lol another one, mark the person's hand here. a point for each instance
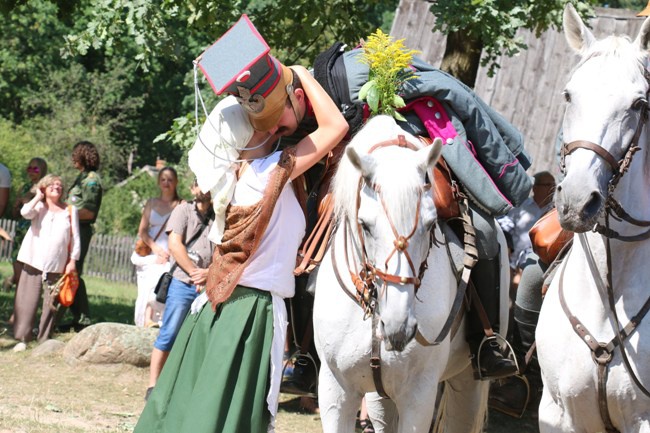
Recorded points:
(71, 266)
(39, 194)
(163, 256)
(198, 276)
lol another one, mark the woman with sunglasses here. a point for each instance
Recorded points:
(36, 169)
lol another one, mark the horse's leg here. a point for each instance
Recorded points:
(415, 405)
(338, 408)
(463, 406)
(550, 414)
(382, 412)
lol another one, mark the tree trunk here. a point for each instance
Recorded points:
(462, 57)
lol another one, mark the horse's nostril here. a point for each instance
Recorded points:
(593, 205)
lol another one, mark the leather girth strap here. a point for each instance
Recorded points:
(470, 258)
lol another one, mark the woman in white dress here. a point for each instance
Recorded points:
(149, 268)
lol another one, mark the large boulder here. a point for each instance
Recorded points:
(111, 343)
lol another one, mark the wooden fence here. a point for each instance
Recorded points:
(109, 256)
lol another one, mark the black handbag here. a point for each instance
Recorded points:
(166, 278)
(163, 286)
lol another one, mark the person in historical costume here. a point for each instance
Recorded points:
(223, 373)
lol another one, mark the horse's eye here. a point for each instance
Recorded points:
(639, 104)
(567, 95)
(363, 226)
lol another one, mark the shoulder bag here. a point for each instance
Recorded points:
(166, 278)
(63, 291)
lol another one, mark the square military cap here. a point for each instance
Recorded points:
(239, 63)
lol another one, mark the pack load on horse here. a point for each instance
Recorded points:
(590, 344)
(437, 106)
(483, 160)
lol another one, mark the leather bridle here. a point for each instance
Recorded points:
(619, 167)
(602, 352)
(370, 273)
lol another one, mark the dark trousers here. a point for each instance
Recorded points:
(80, 305)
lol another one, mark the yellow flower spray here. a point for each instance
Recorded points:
(388, 61)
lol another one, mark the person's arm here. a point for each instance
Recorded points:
(75, 251)
(4, 235)
(332, 126)
(179, 253)
(4, 199)
(29, 209)
(143, 233)
(91, 192)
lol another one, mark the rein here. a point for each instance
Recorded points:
(602, 353)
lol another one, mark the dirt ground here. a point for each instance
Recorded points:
(44, 394)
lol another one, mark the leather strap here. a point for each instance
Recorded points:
(469, 261)
(568, 148)
(375, 358)
(314, 247)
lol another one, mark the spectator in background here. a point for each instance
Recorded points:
(155, 215)
(5, 188)
(525, 216)
(191, 250)
(36, 170)
(51, 247)
(86, 195)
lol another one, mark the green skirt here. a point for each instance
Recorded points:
(217, 375)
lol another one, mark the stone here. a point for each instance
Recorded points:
(48, 347)
(111, 343)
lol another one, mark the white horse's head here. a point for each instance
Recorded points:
(381, 192)
(606, 96)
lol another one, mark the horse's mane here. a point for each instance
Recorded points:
(398, 187)
(621, 51)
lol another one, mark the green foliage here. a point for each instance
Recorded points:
(297, 30)
(122, 204)
(28, 48)
(17, 147)
(495, 22)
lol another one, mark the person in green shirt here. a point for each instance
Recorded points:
(86, 195)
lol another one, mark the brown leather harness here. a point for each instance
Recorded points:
(601, 352)
(364, 275)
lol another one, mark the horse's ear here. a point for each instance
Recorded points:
(644, 35)
(576, 33)
(430, 154)
(365, 164)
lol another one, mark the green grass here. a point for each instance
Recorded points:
(109, 301)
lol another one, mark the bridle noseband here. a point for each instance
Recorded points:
(619, 168)
(400, 243)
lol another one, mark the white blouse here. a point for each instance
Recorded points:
(50, 237)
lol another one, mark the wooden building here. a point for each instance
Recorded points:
(527, 89)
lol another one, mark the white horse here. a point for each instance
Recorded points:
(385, 215)
(605, 280)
